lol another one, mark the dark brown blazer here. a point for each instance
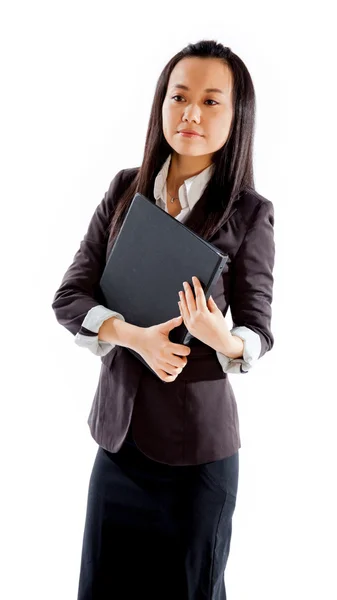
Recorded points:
(193, 419)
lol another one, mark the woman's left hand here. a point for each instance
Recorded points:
(203, 319)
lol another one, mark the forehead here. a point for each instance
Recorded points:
(199, 74)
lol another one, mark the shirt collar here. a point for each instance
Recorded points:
(189, 192)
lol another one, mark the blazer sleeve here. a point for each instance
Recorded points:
(77, 303)
(251, 292)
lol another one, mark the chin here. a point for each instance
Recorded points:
(192, 148)
(189, 151)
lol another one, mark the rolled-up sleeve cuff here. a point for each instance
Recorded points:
(87, 336)
(251, 352)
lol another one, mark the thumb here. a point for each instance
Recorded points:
(168, 325)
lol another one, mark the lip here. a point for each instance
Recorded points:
(187, 133)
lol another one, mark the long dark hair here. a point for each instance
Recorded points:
(233, 172)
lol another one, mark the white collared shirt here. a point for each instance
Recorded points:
(189, 193)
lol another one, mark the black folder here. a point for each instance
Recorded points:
(152, 255)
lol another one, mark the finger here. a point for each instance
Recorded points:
(186, 300)
(182, 313)
(165, 377)
(199, 294)
(190, 298)
(183, 307)
(211, 304)
(170, 378)
(170, 369)
(173, 361)
(180, 349)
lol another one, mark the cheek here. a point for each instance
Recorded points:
(219, 128)
(165, 127)
(169, 121)
(165, 112)
(168, 114)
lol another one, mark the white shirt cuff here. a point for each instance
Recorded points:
(251, 351)
(87, 336)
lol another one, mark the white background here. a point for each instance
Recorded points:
(77, 82)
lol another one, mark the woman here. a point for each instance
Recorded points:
(164, 483)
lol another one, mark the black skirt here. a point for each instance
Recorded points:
(156, 531)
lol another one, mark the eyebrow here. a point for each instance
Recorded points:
(208, 90)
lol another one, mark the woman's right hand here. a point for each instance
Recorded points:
(154, 345)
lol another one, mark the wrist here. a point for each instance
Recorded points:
(118, 332)
(127, 335)
(233, 347)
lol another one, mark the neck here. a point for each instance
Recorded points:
(182, 167)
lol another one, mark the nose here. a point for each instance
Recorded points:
(191, 114)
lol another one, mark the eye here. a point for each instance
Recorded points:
(209, 100)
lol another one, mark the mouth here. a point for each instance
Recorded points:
(189, 134)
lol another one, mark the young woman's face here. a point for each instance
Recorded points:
(208, 113)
